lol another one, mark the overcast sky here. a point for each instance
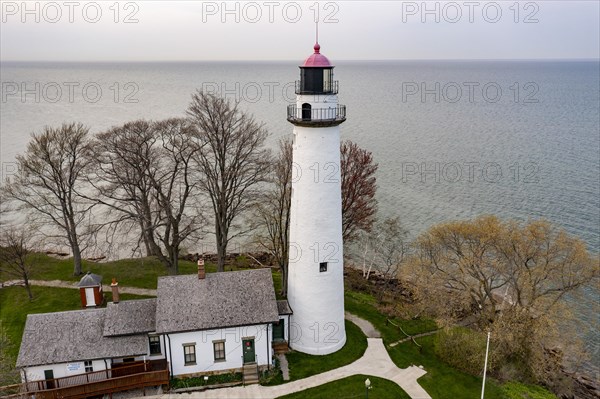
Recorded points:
(274, 30)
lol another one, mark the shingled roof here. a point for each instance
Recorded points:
(130, 317)
(90, 280)
(62, 337)
(228, 299)
(283, 307)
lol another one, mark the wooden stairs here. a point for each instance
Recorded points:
(280, 347)
(250, 373)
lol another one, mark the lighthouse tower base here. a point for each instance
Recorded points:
(316, 262)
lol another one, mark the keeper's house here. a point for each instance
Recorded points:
(197, 325)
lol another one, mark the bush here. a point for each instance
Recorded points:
(515, 390)
(215, 379)
(462, 348)
(274, 376)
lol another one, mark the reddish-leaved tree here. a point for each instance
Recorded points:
(359, 186)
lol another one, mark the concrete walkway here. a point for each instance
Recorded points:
(284, 366)
(72, 284)
(375, 362)
(367, 328)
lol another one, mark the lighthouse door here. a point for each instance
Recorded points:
(306, 108)
(249, 354)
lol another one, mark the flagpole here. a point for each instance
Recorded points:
(487, 348)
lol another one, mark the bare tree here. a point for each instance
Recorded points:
(359, 186)
(384, 250)
(173, 182)
(233, 161)
(118, 170)
(272, 213)
(51, 174)
(15, 246)
(143, 172)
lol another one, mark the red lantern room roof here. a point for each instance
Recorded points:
(317, 60)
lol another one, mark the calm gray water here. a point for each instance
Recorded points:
(453, 139)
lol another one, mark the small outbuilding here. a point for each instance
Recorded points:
(90, 289)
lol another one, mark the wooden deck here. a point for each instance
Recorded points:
(134, 376)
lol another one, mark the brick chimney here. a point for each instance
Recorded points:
(201, 271)
(114, 286)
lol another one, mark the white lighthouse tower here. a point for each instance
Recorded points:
(316, 267)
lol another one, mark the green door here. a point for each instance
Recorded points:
(49, 377)
(278, 330)
(249, 355)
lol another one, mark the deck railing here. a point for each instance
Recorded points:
(134, 381)
(119, 376)
(298, 114)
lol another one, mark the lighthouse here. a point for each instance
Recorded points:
(316, 266)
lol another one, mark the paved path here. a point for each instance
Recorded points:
(375, 362)
(284, 366)
(367, 328)
(71, 284)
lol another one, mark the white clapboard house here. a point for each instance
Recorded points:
(197, 325)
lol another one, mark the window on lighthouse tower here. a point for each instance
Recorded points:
(327, 79)
(306, 112)
(323, 267)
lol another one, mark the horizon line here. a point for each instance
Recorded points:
(295, 60)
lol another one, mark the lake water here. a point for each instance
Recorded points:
(453, 140)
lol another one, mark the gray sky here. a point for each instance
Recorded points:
(276, 30)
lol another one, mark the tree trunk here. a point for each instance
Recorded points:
(77, 271)
(73, 241)
(27, 287)
(174, 267)
(221, 233)
(221, 253)
(148, 230)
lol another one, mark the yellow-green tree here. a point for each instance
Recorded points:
(509, 278)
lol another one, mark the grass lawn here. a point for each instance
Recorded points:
(515, 390)
(352, 387)
(15, 306)
(441, 380)
(302, 365)
(139, 272)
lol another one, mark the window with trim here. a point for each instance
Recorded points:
(154, 342)
(219, 349)
(88, 366)
(323, 267)
(189, 354)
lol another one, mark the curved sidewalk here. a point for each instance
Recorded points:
(375, 362)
